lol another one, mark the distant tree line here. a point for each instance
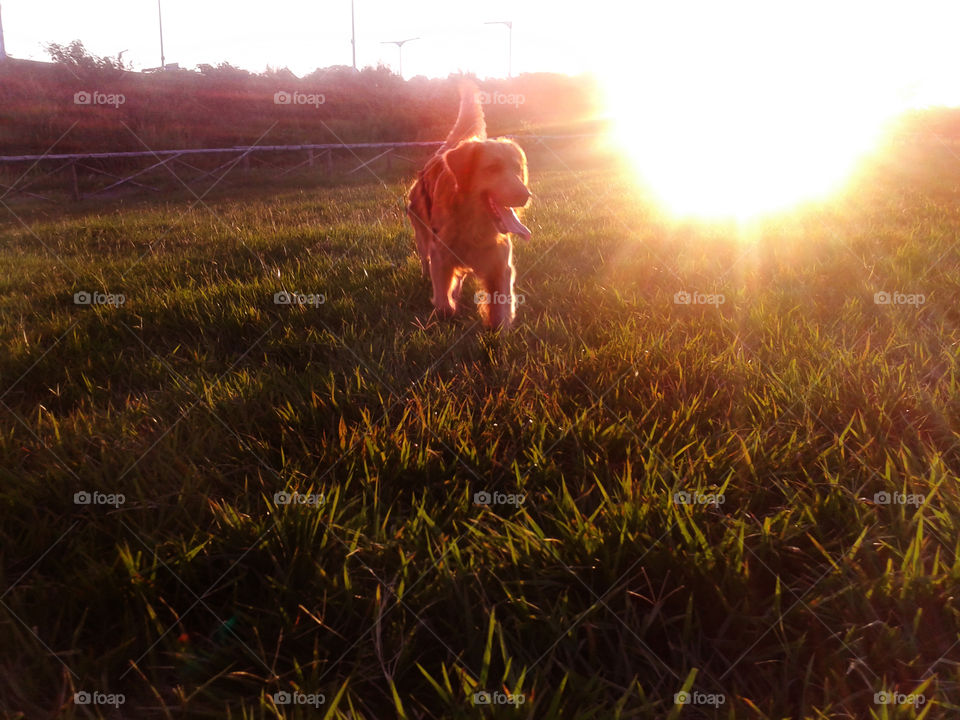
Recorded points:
(95, 103)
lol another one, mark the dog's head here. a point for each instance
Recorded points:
(494, 173)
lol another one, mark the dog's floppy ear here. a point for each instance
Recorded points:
(462, 161)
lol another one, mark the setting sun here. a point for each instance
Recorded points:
(744, 108)
(750, 159)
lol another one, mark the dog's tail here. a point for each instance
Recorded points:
(470, 123)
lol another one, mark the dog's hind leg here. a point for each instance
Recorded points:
(423, 236)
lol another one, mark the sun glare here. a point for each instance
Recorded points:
(755, 110)
(747, 159)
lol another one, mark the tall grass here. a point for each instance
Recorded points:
(753, 502)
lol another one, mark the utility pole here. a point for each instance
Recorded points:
(399, 44)
(163, 62)
(3, 49)
(509, 24)
(353, 36)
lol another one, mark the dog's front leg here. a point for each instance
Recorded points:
(499, 304)
(456, 287)
(443, 277)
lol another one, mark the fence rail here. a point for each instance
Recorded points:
(212, 151)
(322, 152)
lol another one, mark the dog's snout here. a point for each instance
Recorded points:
(517, 195)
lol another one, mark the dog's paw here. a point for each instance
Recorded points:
(444, 312)
(498, 324)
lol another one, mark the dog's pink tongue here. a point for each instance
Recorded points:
(511, 222)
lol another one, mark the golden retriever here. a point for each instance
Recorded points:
(462, 211)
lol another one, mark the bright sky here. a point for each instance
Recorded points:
(299, 34)
(727, 106)
(906, 48)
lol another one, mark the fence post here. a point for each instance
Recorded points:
(246, 162)
(76, 181)
(310, 157)
(330, 162)
(390, 159)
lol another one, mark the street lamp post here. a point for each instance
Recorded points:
(509, 24)
(353, 36)
(399, 44)
(163, 62)
(3, 49)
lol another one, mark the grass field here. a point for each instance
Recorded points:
(754, 502)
